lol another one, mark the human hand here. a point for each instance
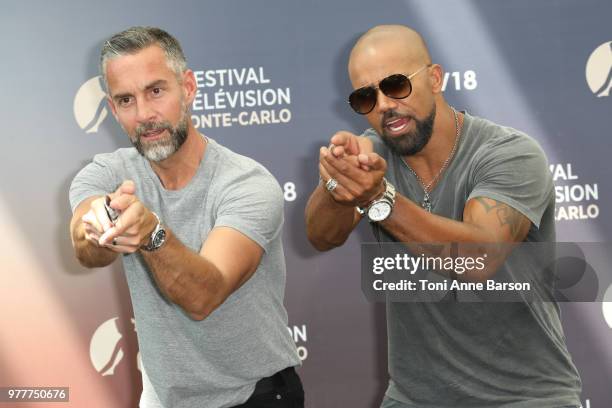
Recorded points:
(359, 177)
(135, 223)
(97, 221)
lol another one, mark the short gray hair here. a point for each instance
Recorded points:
(135, 39)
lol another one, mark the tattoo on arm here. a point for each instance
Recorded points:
(505, 215)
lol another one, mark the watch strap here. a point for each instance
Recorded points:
(152, 245)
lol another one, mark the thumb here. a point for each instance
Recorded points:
(373, 161)
(127, 187)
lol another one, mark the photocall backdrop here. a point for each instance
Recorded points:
(273, 85)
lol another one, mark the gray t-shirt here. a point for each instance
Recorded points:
(215, 362)
(453, 354)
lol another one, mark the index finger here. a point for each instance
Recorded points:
(347, 140)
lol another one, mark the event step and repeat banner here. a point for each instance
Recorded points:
(272, 84)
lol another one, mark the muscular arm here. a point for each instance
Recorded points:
(329, 220)
(485, 221)
(200, 282)
(328, 223)
(197, 282)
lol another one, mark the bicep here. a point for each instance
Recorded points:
(499, 221)
(235, 255)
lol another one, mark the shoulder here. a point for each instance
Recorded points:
(491, 139)
(236, 171)
(118, 158)
(377, 143)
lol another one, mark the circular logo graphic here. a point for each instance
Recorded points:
(106, 347)
(89, 105)
(599, 70)
(606, 305)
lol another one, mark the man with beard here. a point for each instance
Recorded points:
(426, 173)
(199, 228)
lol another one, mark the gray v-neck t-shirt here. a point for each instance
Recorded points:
(453, 354)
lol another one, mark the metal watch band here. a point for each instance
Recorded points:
(388, 195)
(157, 238)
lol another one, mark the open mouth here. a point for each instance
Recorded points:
(397, 125)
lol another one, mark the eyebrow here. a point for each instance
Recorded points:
(154, 84)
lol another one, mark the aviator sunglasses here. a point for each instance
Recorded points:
(396, 86)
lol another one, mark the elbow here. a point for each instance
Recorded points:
(87, 262)
(200, 310)
(197, 316)
(323, 245)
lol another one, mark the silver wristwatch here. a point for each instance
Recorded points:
(157, 239)
(380, 209)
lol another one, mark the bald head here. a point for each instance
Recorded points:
(403, 42)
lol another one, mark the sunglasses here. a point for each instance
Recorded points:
(396, 86)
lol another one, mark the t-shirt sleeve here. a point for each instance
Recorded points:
(514, 171)
(253, 204)
(377, 143)
(95, 179)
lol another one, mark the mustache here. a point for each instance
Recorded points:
(149, 126)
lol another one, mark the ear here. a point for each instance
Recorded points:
(436, 76)
(190, 86)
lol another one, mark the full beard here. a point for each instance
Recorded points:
(161, 149)
(413, 141)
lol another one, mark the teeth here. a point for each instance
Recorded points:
(396, 128)
(396, 125)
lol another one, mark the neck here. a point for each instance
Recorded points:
(177, 170)
(428, 162)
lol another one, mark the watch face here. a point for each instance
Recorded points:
(159, 238)
(379, 211)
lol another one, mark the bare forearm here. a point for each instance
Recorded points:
(328, 224)
(410, 223)
(186, 278)
(415, 227)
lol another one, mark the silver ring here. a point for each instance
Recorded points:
(331, 184)
(114, 241)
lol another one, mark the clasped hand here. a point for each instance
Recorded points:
(356, 168)
(130, 230)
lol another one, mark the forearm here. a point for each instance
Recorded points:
(328, 223)
(186, 278)
(89, 254)
(410, 223)
(415, 227)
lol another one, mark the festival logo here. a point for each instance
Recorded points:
(599, 70)
(107, 346)
(89, 105)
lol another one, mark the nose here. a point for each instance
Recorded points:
(384, 103)
(144, 112)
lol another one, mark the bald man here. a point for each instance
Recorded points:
(426, 173)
